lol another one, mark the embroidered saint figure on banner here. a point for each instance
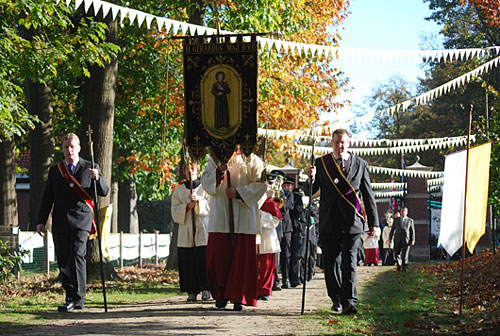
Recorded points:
(220, 90)
(220, 85)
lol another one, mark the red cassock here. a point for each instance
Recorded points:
(228, 268)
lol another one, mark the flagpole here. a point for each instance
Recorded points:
(465, 214)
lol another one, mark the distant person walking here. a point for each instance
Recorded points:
(403, 234)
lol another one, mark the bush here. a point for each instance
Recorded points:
(10, 261)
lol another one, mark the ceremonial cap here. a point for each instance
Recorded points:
(299, 191)
(271, 178)
(278, 172)
(288, 180)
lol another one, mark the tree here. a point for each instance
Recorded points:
(394, 126)
(37, 39)
(8, 198)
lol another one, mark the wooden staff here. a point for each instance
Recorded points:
(231, 216)
(308, 227)
(96, 218)
(193, 223)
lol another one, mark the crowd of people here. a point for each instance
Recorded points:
(239, 215)
(244, 232)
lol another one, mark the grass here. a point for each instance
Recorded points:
(34, 299)
(389, 304)
(419, 302)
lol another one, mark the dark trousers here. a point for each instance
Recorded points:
(340, 256)
(402, 253)
(387, 257)
(286, 252)
(193, 269)
(310, 259)
(70, 249)
(277, 270)
(297, 247)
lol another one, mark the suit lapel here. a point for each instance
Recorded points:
(353, 167)
(80, 167)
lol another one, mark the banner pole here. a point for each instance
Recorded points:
(308, 227)
(465, 214)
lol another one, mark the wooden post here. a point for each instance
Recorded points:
(140, 249)
(121, 249)
(156, 247)
(46, 252)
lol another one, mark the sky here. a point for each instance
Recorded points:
(383, 24)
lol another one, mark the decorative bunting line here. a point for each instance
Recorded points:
(443, 89)
(405, 172)
(435, 182)
(300, 135)
(138, 17)
(431, 183)
(389, 185)
(386, 194)
(305, 150)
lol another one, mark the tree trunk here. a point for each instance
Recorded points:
(8, 195)
(42, 145)
(197, 16)
(128, 219)
(98, 111)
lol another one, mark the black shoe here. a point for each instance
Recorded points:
(265, 297)
(237, 307)
(276, 288)
(337, 308)
(68, 306)
(221, 303)
(350, 310)
(285, 285)
(79, 304)
(295, 284)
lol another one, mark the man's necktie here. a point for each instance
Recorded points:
(342, 165)
(71, 168)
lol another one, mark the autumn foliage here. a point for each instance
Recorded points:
(490, 9)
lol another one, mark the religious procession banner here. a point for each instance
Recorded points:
(458, 198)
(220, 85)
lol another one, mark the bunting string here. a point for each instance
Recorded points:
(443, 89)
(305, 150)
(405, 172)
(138, 18)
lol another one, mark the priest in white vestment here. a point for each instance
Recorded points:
(231, 258)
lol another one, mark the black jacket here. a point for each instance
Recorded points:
(335, 214)
(70, 211)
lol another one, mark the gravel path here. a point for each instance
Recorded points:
(174, 316)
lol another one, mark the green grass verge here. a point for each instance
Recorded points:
(390, 303)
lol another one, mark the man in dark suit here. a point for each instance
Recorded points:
(403, 233)
(69, 192)
(342, 179)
